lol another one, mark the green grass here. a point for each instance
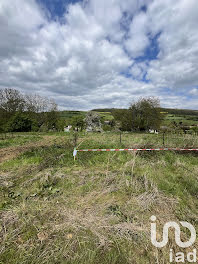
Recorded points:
(95, 209)
(18, 139)
(69, 116)
(185, 119)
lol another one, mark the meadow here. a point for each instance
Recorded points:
(185, 119)
(96, 209)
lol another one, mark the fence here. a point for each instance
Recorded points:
(138, 142)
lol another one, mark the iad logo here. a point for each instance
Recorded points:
(177, 234)
(191, 257)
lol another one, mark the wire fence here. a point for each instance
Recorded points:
(136, 140)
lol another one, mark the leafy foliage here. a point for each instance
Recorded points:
(141, 115)
(78, 121)
(21, 122)
(146, 114)
(22, 112)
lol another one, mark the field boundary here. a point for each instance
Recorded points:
(133, 149)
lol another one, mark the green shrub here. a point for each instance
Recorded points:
(21, 122)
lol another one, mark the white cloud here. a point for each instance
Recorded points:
(194, 92)
(18, 24)
(82, 60)
(177, 64)
(138, 39)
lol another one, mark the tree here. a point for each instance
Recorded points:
(93, 122)
(60, 124)
(124, 118)
(78, 121)
(40, 109)
(21, 122)
(146, 114)
(11, 100)
(141, 115)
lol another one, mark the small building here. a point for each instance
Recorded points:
(67, 128)
(152, 131)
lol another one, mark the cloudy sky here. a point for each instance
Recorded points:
(101, 53)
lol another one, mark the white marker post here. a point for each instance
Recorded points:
(75, 153)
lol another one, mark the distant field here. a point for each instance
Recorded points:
(106, 116)
(69, 115)
(96, 209)
(186, 119)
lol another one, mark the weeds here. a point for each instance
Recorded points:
(17, 140)
(96, 209)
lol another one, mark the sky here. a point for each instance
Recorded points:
(101, 53)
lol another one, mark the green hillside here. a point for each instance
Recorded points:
(187, 117)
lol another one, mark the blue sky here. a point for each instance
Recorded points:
(94, 54)
(57, 8)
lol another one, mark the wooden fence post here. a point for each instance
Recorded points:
(163, 138)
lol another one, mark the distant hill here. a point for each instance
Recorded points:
(181, 111)
(167, 110)
(184, 116)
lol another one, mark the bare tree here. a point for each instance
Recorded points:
(37, 104)
(11, 100)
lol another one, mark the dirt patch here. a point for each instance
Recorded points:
(13, 152)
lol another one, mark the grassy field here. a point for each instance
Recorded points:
(185, 119)
(69, 116)
(14, 139)
(96, 209)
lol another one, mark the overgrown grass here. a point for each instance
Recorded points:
(18, 140)
(95, 209)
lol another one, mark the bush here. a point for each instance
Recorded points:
(20, 122)
(107, 128)
(143, 115)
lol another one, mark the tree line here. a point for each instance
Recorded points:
(31, 112)
(27, 112)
